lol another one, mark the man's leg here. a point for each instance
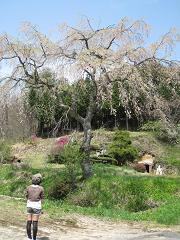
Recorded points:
(35, 219)
(28, 226)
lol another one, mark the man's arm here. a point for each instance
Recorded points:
(26, 194)
(42, 194)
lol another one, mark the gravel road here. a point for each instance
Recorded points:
(88, 228)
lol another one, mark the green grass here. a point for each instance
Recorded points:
(122, 196)
(36, 160)
(112, 193)
(14, 181)
(171, 155)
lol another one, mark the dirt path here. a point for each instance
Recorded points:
(88, 228)
(75, 226)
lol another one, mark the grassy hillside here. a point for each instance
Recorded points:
(113, 191)
(35, 154)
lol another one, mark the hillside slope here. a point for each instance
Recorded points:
(35, 153)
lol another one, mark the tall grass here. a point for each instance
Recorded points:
(172, 155)
(5, 152)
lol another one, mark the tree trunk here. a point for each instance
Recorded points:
(127, 124)
(6, 120)
(86, 163)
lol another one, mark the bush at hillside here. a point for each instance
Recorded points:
(164, 131)
(167, 133)
(57, 148)
(71, 156)
(59, 190)
(121, 148)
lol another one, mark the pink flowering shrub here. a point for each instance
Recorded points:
(62, 141)
(33, 139)
(57, 147)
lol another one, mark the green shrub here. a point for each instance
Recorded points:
(54, 155)
(59, 190)
(164, 130)
(150, 126)
(90, 194)
(167, 132)
(121, 148)
(5, 152)
(136, 197)
(71, 156)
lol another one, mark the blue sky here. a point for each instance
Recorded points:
(160, 14)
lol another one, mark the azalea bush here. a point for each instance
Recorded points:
(57, 148)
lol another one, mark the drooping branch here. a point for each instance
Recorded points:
(72, 112)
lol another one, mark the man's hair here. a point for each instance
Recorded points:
(36, 179)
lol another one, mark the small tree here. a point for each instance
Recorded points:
(72, 157)
(121, 148)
